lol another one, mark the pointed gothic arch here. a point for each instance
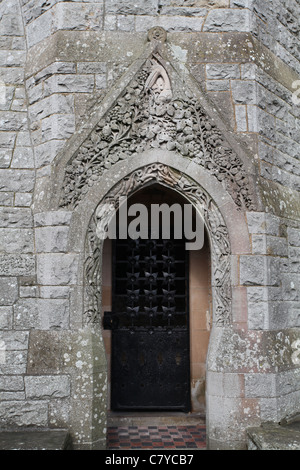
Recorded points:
(154, 126)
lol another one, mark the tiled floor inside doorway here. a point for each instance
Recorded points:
(156, 432)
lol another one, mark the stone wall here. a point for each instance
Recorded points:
(58, 62)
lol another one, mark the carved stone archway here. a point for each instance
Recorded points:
(206, 207)
(154, 110)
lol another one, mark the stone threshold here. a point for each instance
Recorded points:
(151, 418)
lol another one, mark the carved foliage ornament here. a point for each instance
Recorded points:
(149, 114)
(220, 248)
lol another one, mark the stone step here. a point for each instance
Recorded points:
(154, 419)
(35, 440)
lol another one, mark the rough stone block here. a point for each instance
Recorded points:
(8, 290)
(7, 140)
(241, 118)
(69, 83)
(12, 121)
(100, 81)
(227, 20)
(10, 19)
(46, 152)
(58, 126)
(6, 199)
(57, 269)
(41, 314)
(6, 314)
(51, 239)
(169, 23)
(17, 264)
(18, 414)
(125, 23)
(39, 29)
(217, 85)
(258, 315)
(222, 71)
(260, 222)
(11, 217)
(17, 180)
(60, 217)
(5, 158)
(15, 340)
(257, 294)
(244, 91)
(253, 270)
(127, 7)
(260, 385)
(78, 16)
(47, 387)
(55, 292)
(28, 291)
(293, 236)
(54, 104)
(23, 199)
(91, 67)
(11, 383)
(54, 314)
(14, 240)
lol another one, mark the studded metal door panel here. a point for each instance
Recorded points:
(149, 322)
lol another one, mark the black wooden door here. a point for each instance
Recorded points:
(150, 331)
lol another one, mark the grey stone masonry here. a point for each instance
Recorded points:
(63, 65)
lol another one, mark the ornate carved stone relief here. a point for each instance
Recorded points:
(220, 248)
(152, 114)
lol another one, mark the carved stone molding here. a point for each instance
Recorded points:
(150, 113)
(220, 247)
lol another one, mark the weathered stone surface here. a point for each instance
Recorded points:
(13, 240)
(227, 20)
(35, 440)
(45, 352)
(147, 7)
(253, 270)
(17, 264)
(15, 414)
(23, 199)
(41, 314)
(52, 218)
(16, 180)
(57, 269)
(51, 239)
(10, 383)
(6, 314)
(8, 290)
(273, 437)
(15, 217)
(43, 387)
(222, 71)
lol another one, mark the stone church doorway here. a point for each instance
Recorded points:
(156, 315)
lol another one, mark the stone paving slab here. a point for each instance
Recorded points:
(35, 440)
(274, 437)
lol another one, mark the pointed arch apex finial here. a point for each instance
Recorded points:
(157, 33)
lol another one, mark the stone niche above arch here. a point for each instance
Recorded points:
(155, 106)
